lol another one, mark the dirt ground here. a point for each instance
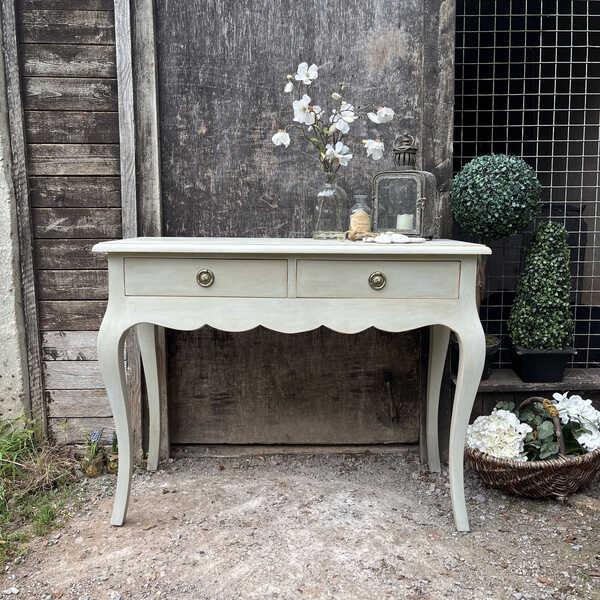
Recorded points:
(344, 526)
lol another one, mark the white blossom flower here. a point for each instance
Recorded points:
(339, 124)
(317, 110)
(383, 115)
(289, 87)
(336, 96)
(347, 113)
(500, 434)
(281, 138)
(340, 153)
(306, 74)
(374, 148)
(302, 112)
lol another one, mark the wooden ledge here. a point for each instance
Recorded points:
(506, 380)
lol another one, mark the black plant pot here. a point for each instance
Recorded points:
(539, 366)
(492, 347)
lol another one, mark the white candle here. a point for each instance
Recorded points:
(405, 222)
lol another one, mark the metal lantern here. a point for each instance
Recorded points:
(404, 199)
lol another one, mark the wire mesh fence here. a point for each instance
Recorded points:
(528, 84)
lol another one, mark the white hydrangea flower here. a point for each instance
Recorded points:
(581, 411)
(340, 152)
(590, 441)
(500, 434)
(281, 138)
(302, 112)
(306, 74)
(374, 148)
(383, 115)
(576, 408)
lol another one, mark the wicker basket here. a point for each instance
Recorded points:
(557, 477)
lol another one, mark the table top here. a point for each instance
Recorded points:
(282, 246)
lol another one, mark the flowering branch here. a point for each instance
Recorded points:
(328, 134)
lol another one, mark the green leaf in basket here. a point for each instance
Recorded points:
(526, 416)
(548, 449)
(505, 405)
(545, 430)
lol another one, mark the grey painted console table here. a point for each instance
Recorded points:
(292, 285)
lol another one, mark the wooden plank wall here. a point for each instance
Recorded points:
(67, 51)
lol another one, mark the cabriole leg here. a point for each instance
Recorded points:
(438, 347)
(471, 342)
(112, 368)
(146, 335)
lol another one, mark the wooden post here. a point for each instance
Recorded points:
(148, 165)
(14, 108)
(128, 199)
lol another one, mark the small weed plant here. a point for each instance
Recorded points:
(35, 485)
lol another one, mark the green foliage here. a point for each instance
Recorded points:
(540, 318)
(541, 443)
(494, 196)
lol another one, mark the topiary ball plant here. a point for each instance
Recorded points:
(541, 318)
(494, 196)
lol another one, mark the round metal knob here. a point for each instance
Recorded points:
(205, 278)
(377, 280)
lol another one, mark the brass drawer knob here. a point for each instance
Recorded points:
(377, 280)
(205, 278)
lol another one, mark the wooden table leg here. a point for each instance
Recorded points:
(471, 342)
(110, 356)
(438, 347)
(146, 334)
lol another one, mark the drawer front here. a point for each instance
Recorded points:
(242, 278)
(400, 279)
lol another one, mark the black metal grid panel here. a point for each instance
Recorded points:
(528, 84)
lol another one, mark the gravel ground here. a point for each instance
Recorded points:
(367, 526)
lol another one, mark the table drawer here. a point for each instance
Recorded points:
(243, 278)
(399, 279)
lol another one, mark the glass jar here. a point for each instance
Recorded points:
(330, 211)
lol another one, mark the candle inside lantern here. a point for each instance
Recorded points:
(405, 222)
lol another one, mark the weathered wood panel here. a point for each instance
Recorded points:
(77, 403)
(71, 315)
(66, 27)
(67, 60)
(76, 223)
(65, 93)
(222, 176)
(219, 105)
(75, 430)
(75, 192)
(73, 159)
(72, 285)
(72, 375)
(70, 345)
(316, 387)
(67, 254)
(66, 4)
(65, 127)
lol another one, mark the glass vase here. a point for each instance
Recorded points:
(330, 212)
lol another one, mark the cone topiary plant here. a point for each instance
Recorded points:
(541, 318)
